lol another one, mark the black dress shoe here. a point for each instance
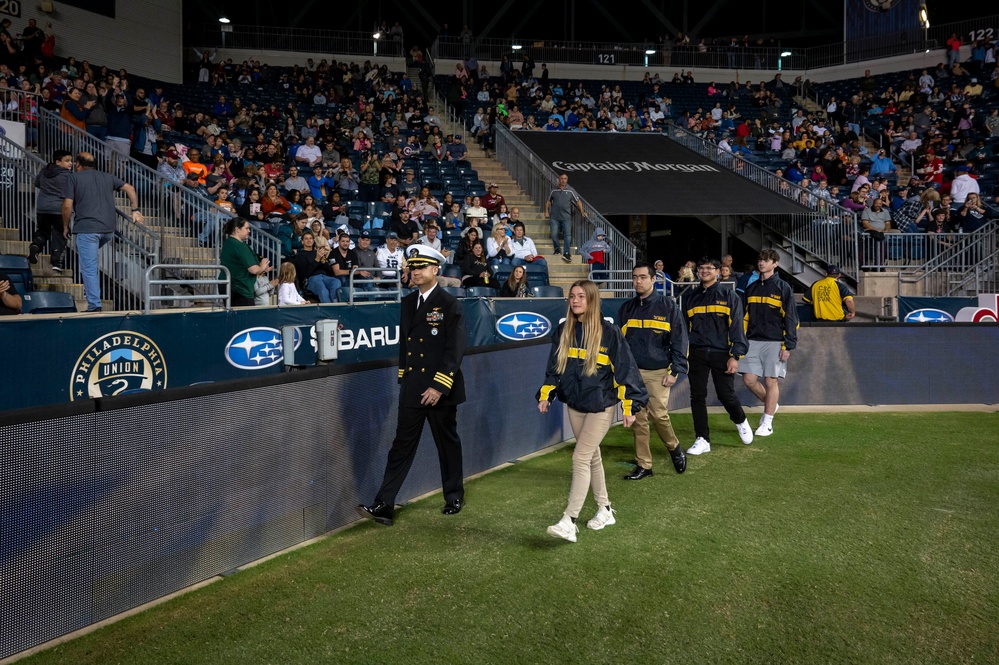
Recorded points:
(452, 507)
(639, 473)
(380, 512)
(679, 459)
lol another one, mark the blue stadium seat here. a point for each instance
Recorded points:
(547, 291)
(480, 292)
(19, 271)
(537, 275)
(343, 294)
(456, 291)
(48, 302)
(452, 271)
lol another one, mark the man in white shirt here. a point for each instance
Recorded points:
(431, 238)
(963, 185)
(389, 256)
(911, 145)
(926, 81)
(524, 251)
(309, 153)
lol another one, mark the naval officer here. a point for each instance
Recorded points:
(431, 345)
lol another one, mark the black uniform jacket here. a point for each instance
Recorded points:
(431, 345)
(617, 378)
(771, 313)
(654, 329)
(714, 320)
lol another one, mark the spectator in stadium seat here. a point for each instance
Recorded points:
(390, 256)
(407, 231)
(831, 300)
(10, 300)
(295, 181)
(454, 219)
(595, 253)
(962, 184)
(347, 180)
(309, 154)
(516, 285)
(882, 165)
(493, 199)
(972, 214)
(320, 183)
(498, 245)
(315, 270)
(431, 238)
(475, 270)
(469, 236)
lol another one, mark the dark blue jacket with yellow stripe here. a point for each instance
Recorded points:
(714, 320)
(653, 328)
(617, 378)
(771, 313)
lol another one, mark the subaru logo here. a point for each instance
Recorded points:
(928, 316)
(257, 348)
(523, 325)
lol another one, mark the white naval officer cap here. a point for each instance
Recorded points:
(419, 256)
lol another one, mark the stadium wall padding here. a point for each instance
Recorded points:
(105, 508)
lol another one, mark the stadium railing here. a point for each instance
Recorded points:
(951, 270)
(305, 40)
(20, 106)
(537, 179)
(823, 228)
(174, 214)
(651, 54)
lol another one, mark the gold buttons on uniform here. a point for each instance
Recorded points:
(422, 370)
(421, 355)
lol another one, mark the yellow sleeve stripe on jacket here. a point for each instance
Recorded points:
(546, 392)
(767, 300)
(710, 309)
(625, 403)
(444, 379)
(401, 372)
(645, 323)
(575, 352)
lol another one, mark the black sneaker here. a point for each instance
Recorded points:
(567, 258)
(57, 267)
(33, 252)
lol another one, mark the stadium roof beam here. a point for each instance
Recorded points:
(525, 18)
(402, 9)
(661, 17)
(495, 19)
(708, 15)
(303, 10)
(610, 19)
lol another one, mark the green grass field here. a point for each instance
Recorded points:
(862, 538)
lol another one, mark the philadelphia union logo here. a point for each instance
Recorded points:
(119, 362)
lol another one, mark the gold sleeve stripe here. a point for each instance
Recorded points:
(444, 379)
(401, 372)
(576, 352)
(766, 300)
(645, 323)
(626, 406)
(709, 309)
(546, 392)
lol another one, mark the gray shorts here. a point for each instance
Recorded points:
(763, 360)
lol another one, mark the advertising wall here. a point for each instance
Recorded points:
(92, 356)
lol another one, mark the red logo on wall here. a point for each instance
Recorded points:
(986, 312)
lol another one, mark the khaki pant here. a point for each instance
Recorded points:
(587, 465)
(657, 411)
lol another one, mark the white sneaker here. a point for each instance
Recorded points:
(604, 517)
(701, 445)
(764, 430)
(565, 529)
(745, 431)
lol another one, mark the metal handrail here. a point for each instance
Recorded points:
(824, 229)
(714, 56)
(963, 257)
(623, 287)
(311, 40)
(538, 179)
(377, 281)
(149, 283)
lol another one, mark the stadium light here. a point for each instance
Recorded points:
(517, 47)
(924, 17)
(785, 54)
(650, 51)
(223, 20)
(377, 35)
